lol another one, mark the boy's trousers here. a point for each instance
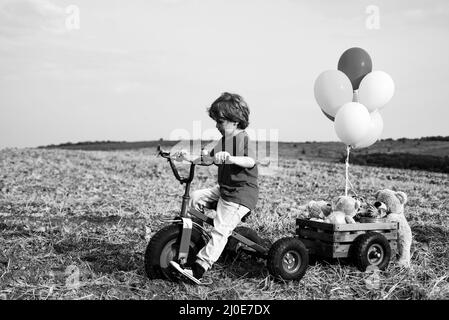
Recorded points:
(228, 216)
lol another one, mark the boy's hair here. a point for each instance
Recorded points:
(232, 107)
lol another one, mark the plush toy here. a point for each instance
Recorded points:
(395, 202)
(345, 208)
(318, 210)
(377, 210)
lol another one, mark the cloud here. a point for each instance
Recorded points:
(27, 17)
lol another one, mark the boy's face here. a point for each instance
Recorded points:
(226, 127)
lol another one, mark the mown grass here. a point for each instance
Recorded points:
(97, 211)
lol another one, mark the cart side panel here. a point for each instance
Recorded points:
(341, 236)
(315, 234)
(324, 249)
(366, 226)
(315, 224)
(317, 247)
(341, 250)
(350, 236)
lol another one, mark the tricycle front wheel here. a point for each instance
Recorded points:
(288, 259)
(164, 247)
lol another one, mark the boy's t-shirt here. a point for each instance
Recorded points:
(238, 184)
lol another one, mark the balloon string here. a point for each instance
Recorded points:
(348, 148)
(355, 96)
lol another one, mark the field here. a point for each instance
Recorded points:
(75, 224)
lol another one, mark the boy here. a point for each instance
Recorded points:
(237, 190)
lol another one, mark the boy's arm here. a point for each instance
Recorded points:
(242, 161)
(245, 162)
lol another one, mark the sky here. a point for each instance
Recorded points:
(138, 70)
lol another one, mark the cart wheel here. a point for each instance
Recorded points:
(288, 259)
(164, 247)
(371, 249)
(234, 247)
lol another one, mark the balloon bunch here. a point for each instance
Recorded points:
(352, 96)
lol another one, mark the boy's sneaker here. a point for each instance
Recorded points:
(195, 274)
(198, 270)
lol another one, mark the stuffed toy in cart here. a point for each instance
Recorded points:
(345, 208)
(394, 202)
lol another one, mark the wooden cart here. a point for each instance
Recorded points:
(367, 244)
(364, 242)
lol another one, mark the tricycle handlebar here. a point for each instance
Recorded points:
(200, 161)
(166, 154)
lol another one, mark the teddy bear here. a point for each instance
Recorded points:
(345, 208)
(395, 201)
(318, 210)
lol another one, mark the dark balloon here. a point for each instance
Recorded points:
(356, 64)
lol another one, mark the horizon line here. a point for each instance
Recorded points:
(208, 140)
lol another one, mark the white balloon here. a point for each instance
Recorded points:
(352, 122)
(376, 90)
(332, 89)
(375, 128)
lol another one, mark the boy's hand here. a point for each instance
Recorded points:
(222, 157)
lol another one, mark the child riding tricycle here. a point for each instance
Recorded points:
(187, 234)
(368, 244)
(234, 196)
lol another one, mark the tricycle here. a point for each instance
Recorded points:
(187, 233)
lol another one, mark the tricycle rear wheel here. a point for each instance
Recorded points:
(288, 259)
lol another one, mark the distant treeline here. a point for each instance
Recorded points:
(431, 138)
(401, 161)
(110, 145)
(435, 138)
(82, 143)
